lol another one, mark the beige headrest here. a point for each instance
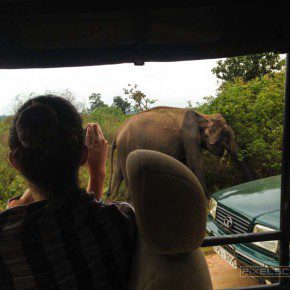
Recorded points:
(169, 202)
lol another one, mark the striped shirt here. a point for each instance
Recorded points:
(86, 245)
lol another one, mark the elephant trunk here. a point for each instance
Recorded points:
(233, 150)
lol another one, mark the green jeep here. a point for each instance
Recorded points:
(247, 208)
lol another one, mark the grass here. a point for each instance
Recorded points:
(12, 183)
(208, 250)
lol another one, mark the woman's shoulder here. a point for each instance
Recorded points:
(114, 219)
(114, 210)
(124, 207)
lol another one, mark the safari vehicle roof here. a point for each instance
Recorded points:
(50, 33)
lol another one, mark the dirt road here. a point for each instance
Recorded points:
(224, 275)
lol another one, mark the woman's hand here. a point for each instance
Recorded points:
(26, 198)
(97, 157)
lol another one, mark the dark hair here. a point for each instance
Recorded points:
(46, 139)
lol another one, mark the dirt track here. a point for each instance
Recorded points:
(224, 275)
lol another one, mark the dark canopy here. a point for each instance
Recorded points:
(48, 33)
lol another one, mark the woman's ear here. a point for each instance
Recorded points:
(13, 161)
(84, 155)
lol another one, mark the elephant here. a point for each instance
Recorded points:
(178, 132)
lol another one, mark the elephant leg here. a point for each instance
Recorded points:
(195, 163)
(192, 146)
(127, 194)
(197, 167)
(122, 162)
(117, 180)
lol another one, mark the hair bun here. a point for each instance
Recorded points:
(37, 127)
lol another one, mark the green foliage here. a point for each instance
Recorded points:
(140, 101)
(189, 104)
(109, 118)
(248, 67)
(96, 101)
(122, 104)
(12, 183)
(254, 109)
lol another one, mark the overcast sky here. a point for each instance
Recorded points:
(172, 84)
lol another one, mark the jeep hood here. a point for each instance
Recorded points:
(257, 200)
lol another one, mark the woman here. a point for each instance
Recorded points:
(56, 235)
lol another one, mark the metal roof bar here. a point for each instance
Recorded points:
(285, 182)
(242, 238)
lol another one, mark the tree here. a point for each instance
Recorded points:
(248, 67)
(122, 104)
(96, 101)
(68, 95)
(141, 101)
(254, 110)
(20, 99)
(189, 104)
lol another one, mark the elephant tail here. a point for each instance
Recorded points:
(108, 193)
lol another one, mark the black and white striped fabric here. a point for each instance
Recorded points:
(85, 245)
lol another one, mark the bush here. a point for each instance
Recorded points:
(12, 183)
(253, 109)
(255, 112)
(109, 118)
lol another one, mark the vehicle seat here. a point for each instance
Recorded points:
(170, 209)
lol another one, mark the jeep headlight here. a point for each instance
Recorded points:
(271, 246)
(212, 207)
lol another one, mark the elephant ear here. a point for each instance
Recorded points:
(202, 122)
(226, 135)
